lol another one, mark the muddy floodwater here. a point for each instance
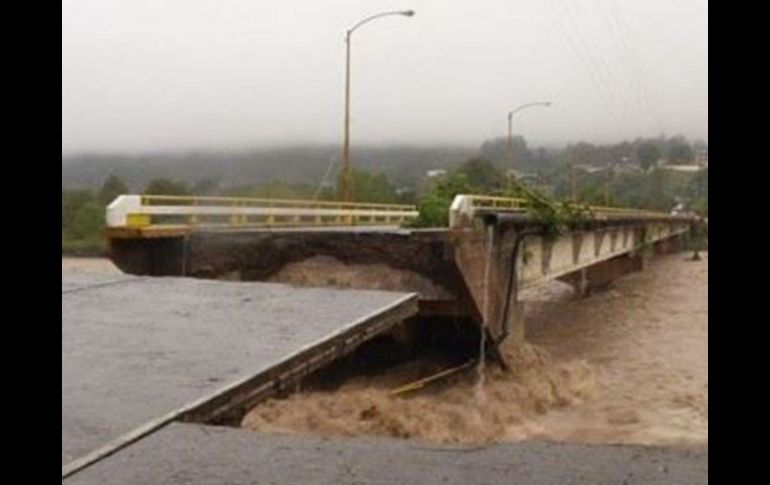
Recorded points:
(625, 365)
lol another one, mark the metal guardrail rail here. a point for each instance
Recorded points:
(466, 206)
(164, 215)
(147, 215)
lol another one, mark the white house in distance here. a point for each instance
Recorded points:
(435, 173)
(702, 158)
(701, 162)
(682, 168)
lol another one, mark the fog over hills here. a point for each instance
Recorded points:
(305, 164)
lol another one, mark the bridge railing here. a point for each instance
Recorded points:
(466, 206)
(167, 212)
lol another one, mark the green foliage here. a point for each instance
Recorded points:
(554, 216)
(435, 201)
(698, 192)
(82, 223)
(679, 150)
(274, 189)
(91, 247)
(496, 151)
(657, 189)
(372, 187)
(482, 174)
(164, 186)
(478, 176)
(474, 176)
(71, 202)
(88, 221)
(205, 186)
(111, 188)
(83, 218)
(648, 154)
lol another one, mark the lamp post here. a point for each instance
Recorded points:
(345, 175)
(509, 151)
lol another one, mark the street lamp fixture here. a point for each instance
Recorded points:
(510, 126)
(345, 171)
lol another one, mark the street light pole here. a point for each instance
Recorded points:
(572, 178)
(509, 151)
(345, 175)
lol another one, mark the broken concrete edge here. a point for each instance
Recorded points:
(243, 395)
(230, 395)
(118, 281)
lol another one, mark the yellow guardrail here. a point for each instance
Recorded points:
(513, 203)
(171, 213)
(465, 206)
(265, 202)
(161, 215)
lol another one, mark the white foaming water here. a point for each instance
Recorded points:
(628, 365)
(485, 316)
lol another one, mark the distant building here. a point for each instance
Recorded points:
(615, 168)
(531, 177)
(683, 168)
(592, 168)
(628, 168)
(435, 173)
(702, 158)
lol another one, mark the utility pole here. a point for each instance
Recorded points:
(572, 178)
(345, 175)
(610, 176)
(509, 151)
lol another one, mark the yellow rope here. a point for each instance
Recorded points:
(420, 383)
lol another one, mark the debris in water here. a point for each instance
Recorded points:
(451, 414)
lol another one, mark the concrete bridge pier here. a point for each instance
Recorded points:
(668, 246)
(499, 255)
(597, 277)
(490, 262)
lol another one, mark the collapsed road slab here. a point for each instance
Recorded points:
(204, 455)
(138, 352)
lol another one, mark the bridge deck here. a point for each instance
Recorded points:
(140, 352)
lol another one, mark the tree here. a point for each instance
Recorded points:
(656, 197)
(372, 187)
(164, 186)
(205, 186)
(112, 187)
(482, 175)
(698, 191)
(435, 201)
(88, 222)
(496, 150)
(648, 154)
(679, 150)
(583, 153)
(71, 202)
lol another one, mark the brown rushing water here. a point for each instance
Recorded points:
(628, 365)
(647, 343)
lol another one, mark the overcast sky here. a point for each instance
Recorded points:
(184, 74)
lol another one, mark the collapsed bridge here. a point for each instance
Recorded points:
(475, 269)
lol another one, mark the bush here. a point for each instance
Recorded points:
(91, 247)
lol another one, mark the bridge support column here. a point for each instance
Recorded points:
(668, 246)
(486, 262)
(579, 282)
(587, 280)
